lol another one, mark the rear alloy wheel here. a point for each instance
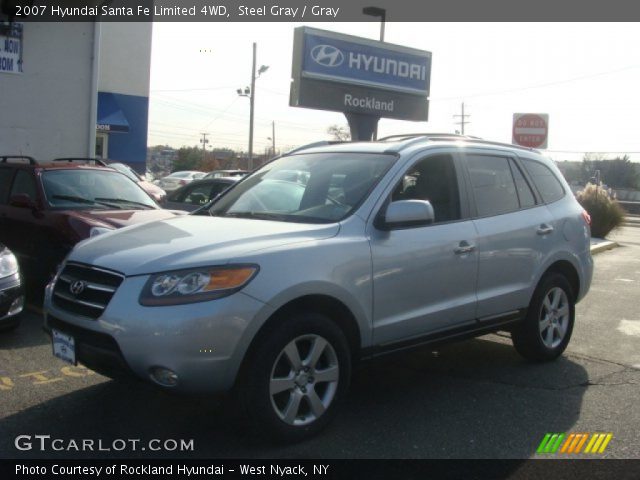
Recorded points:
(547, 328)
(295, 377)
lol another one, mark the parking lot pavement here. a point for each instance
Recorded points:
(475, 399)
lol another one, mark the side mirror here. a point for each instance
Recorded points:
(407, 214)
(21, 200)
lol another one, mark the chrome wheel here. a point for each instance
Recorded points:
(304, 380)
(554, 317)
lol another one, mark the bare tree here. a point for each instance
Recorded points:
(340, 133)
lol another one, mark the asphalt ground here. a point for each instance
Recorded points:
(474, 399)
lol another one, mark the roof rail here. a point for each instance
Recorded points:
(412, 138)
(407, 136)
(314, 144)
(97, 161)
(31, 160)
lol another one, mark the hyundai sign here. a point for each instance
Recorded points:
(333, 71)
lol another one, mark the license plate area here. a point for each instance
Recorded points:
(64, 346)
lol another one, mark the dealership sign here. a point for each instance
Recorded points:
(11, 48)
(530, 130)
(332, 71)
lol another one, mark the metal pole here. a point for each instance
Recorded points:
(382, 20)
(273, 138)
(251, 103)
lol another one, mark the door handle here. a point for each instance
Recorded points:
(544, 229)
(464, 247)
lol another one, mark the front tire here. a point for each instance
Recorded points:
(546, 330)
(295, 377)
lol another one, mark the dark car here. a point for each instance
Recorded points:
(197, 193)
(11, 290)
(46, 208)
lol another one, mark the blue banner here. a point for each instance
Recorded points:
(368, 65)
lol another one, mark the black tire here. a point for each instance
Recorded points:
(267, 359)
(529, 338)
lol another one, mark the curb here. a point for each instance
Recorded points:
(603, 246)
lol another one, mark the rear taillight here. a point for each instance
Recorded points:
(586, 217)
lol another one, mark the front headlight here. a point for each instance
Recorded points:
(8, 263)
(195, 285)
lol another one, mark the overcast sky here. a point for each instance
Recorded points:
(585, 76)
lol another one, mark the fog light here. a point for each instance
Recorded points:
(164, 376)
(16, 306)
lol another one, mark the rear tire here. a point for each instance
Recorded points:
(295, 377)
(546, 330)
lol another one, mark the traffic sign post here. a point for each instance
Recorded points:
(530, 130)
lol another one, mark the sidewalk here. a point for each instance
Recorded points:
(600, 245)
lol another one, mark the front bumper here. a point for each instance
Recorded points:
(203, 343)
(11, 298)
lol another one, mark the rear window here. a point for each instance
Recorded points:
(5, 182)
(547, 183)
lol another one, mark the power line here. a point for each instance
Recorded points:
(463, 121)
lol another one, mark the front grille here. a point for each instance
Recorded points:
(98, 286)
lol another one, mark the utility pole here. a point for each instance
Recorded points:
(273, 138)
(251, 103)
(463, 121)
(204, 142)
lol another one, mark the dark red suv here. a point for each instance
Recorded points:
(45, 209)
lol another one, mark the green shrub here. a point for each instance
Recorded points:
(606, 213)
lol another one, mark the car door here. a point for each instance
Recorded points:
(23, 223)
(7, 236)
(424, 278)
(514, 231)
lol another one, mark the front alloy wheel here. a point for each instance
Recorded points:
(304, 380)
(295, 374)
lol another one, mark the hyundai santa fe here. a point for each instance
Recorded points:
(274, 290)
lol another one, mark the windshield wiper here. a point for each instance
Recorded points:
(123, 200)
(73, 198)
(258, 215)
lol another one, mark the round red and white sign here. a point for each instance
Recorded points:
(530, 129)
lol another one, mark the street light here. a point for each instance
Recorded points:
(250, 92)
(377, 12)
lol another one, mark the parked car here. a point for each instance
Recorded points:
(280, 286)
(226, 173)
(11, 290)
(198, 193)
(154, 191)
(179, 179)
(46, 208)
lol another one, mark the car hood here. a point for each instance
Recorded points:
(191, 241)
(119, 218)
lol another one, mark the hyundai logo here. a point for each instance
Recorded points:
(327, 55)
(77, 287)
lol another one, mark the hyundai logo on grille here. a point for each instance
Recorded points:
(77, 287)
(327, 55)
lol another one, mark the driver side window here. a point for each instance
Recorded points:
(433, 179)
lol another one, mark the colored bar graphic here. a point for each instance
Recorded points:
(574, 442)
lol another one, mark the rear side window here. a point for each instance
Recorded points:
(525, 195)
(5, 183)
(547, 183)
(493, 186)
(24, 183)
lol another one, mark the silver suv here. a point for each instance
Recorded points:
(281, 284)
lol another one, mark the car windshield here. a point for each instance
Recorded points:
(93, 189)
(307, 188)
